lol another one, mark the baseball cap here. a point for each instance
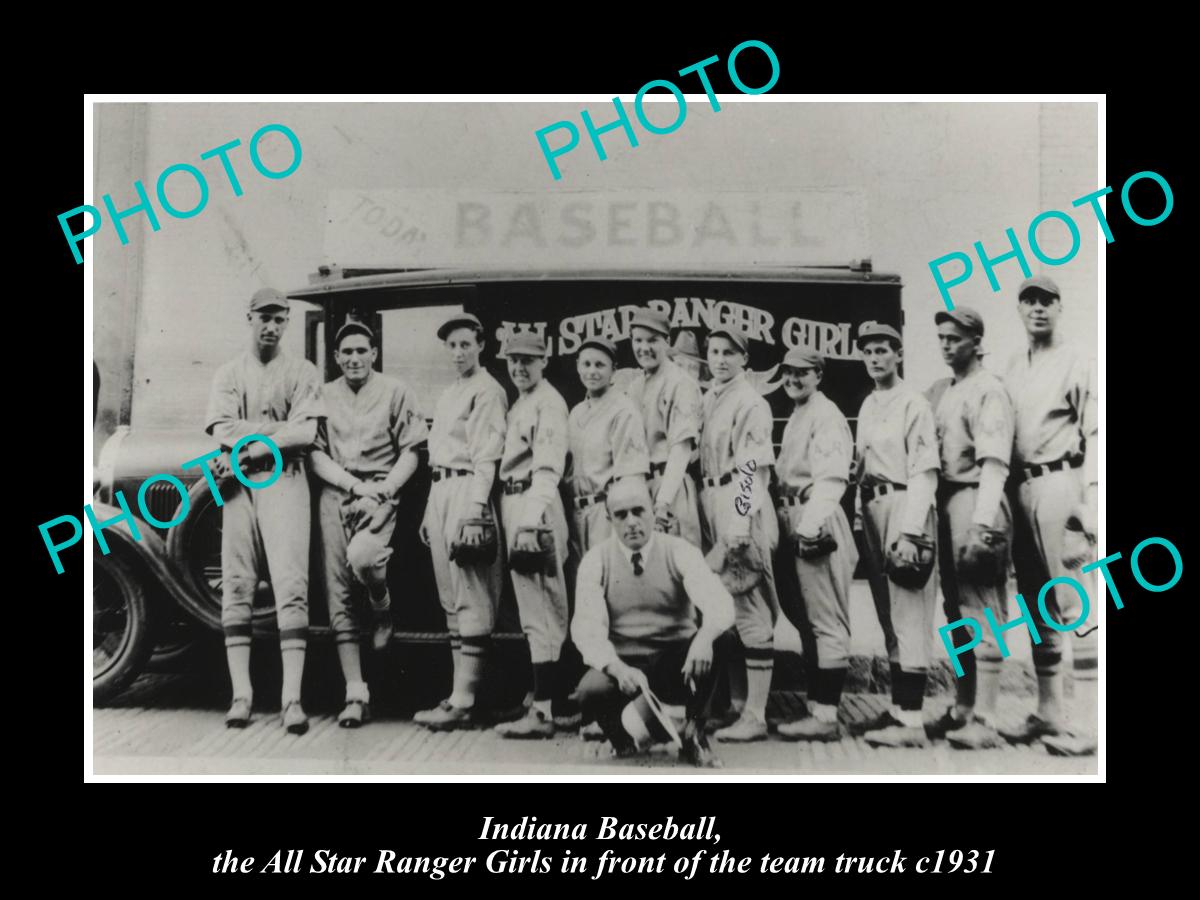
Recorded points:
(869, 330)
(461, 320)
(961, 315)
(803, 358)
(735, 335)
(686, 345)
(352, 327)
(268, 298)
(652, 319)
(525, 343)
(599, 343)
(1041, 283)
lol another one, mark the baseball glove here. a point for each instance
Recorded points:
(822, 545)
(984, 556)
(476, 543)
(1079, 547)
(533, 562)
(741, 568)
(912, 575)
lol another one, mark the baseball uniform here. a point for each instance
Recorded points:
(897, 441)
(607, 442)
(365, 432)
(671, 409)
(813, 470)
(265, 530)
(535, 449)
(465, 443)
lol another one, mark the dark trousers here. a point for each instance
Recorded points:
(601, 699)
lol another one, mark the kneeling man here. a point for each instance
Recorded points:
(636, 600)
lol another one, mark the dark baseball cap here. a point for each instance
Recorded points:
(963, 316)
(1039, 283)
(268, 298)
(460, 320)
(599, 343)
(353, 328)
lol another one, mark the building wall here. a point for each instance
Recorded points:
(936, 178)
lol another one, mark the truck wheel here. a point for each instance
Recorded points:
(121, 634)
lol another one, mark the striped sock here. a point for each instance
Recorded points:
(1086, 672)
(760, 664)
(469, 672)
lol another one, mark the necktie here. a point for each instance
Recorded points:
(637, 564)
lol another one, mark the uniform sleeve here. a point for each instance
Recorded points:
(704, 589)
(684, 412)
(549, 452)
(830, 456)
(485, 441)
(305, 410)
(994, 425)
(627, 436)
(920, 437)
(407, 426)
(223, 418)
(589, 627)
(753, 438)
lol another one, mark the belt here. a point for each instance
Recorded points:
(517, 487)
(792, 500)
(1027, 473)
(589, 500)
(871, 491)
(440, 472)
(657, 468)
(714, 482)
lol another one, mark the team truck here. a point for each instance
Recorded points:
(156, 598)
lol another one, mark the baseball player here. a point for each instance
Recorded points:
(670, 404)
(813, 469)
(364, 455)
(465, 445)
(975, 426)
(1053, 390)
(607, 442)
(265, 391)
(735, 461)
(635, 625)
(897, 470)
(535, 525)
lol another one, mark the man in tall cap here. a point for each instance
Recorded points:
(975, 425)
(465, 445)
(897, 466)
(264, 391)
(1053, 389)
(671, 409)
(636, 601)
(365, 453)
(535, 526)
(813, 469)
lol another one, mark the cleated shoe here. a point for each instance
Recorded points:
(744, 730)
(941, 727)
(884, 719)
(811, 729)
(975, 736)
(592, 732)
(1070, 744)
(1030, 730)
(294, 719)
(448, 717)
(239, 713)
(897, 736)
(724, 720)
(356, 712)
(534, 725)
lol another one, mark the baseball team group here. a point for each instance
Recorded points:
(653, 533)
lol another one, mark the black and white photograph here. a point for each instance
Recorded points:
(695, 436)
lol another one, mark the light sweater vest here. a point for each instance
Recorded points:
(652, 606)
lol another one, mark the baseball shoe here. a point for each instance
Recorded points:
(744, 730)
(941, 727)
(900, 735)
(695, 749)
(294, 719)
(447, 717)
(1070, 744)
(884, 719)
(1030, 730)
(356, 712)
(534, 725)
(975, 735)
(811, 729)
(239, 713)
(724, 720)
(592, 732)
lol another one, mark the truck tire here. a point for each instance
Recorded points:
(121, 632)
